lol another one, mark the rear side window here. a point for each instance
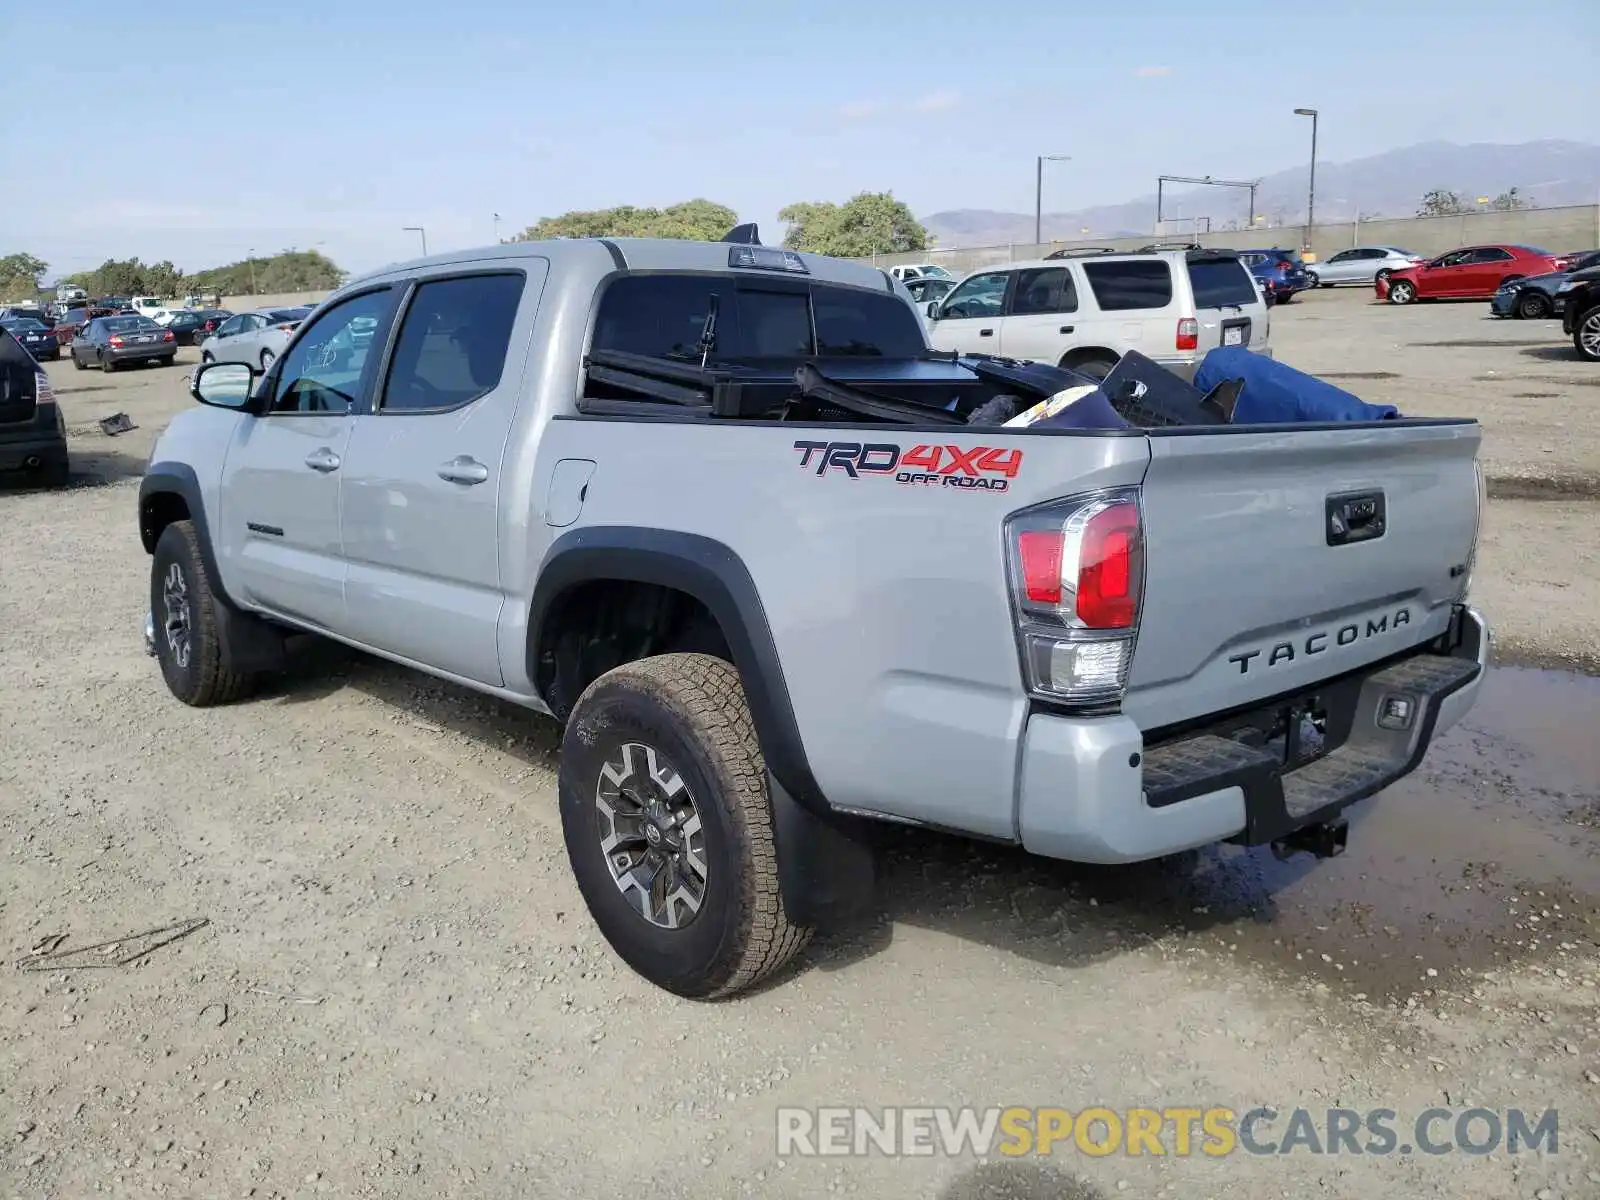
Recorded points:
(664, 316)
(1121, 286)
(452, 345)
(1221, 283)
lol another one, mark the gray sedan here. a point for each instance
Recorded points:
(108, 342)
(1361, 264)
(256, 337)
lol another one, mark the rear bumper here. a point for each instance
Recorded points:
(1092, 791)
(27, 445)
(43, 350)
(141, 353)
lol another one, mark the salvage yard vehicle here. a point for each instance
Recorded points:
(33, 432)
(109, 342)
(1361, 264)
(1580, 313)
(1471, 273)
(721, 512)
(37, 338)
(1084, 312)
(256, 337)
(1539, 296)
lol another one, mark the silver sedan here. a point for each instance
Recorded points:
(1361, 264)
(256, 337)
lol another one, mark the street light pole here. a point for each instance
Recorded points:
(1038, 192)
(1311, 190)
(496, 229)
(420, 232)
(252, 270)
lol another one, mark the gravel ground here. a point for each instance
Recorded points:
(398, 992)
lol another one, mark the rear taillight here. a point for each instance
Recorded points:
(1077, 578)
(116, 339)
(44, 393)
(167, 336)
(287, 326)
(1188, 333)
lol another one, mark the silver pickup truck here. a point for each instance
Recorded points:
(714, 507)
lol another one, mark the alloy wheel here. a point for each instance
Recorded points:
(176, 623)
(651, 836)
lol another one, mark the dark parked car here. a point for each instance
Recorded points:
(1580, 314)
(37, 338)
(211, 320)
(1281, 269)
(33, 435)
(1539, 296)
(108, 342)
(188, 327)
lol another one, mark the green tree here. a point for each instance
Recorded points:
(19, 276)
(696, 220)
(1441, 203)
(1507, 201)
(288, 271)
(866, 224)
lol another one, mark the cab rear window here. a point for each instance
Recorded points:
(1221, 283)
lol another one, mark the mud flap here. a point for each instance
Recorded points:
(826, 875)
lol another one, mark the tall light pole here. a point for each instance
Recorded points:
(252, 270)
(420, 232)
(1038, 192)
(496, 229)
(1311, 190)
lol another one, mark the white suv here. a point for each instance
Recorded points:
(1085, 310)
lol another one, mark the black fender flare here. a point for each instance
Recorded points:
(248, 643)
(825, 870)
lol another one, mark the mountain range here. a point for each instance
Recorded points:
(1546, 173)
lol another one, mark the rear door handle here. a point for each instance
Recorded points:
(985, 333)
(1068, 328)
(323, 460)
(463, 469)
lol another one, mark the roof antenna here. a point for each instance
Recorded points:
(743, 235)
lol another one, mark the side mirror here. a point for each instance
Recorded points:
(224, 385)
(933, 310)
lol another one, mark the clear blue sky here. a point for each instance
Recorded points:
(334, 124)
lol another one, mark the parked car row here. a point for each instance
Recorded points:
(1470, 273)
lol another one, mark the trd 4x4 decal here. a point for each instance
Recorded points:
(986, 468)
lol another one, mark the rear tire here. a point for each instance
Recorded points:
(107, 363)
(1095, 366)
(1316, 280)
(188, 639)
(1533, 306)
(1382, 274)
(665, 811)
(207, 357)
(267, 357)
(78, 362)
(1586, 334)
(1402, 291)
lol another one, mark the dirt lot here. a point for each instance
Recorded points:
(399, 993)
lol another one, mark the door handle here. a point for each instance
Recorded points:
(1068, 328)
(323, 460)
(463, 469)
(985, 333)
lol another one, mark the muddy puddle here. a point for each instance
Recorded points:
(1488, 854)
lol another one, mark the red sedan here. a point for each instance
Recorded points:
(1471, 273)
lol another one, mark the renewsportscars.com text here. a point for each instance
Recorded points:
(1180, 1132)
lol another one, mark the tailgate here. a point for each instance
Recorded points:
(1264, 572)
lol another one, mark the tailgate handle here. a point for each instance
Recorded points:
(1355, 517)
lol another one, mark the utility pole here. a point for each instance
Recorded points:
(420, 232)
(252, 270)
(1311, 190)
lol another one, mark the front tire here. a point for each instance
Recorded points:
(1402, 291)
(1586, 334)
(1533, 306)
(1095, 366)
(188, 640)
(668, 826)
